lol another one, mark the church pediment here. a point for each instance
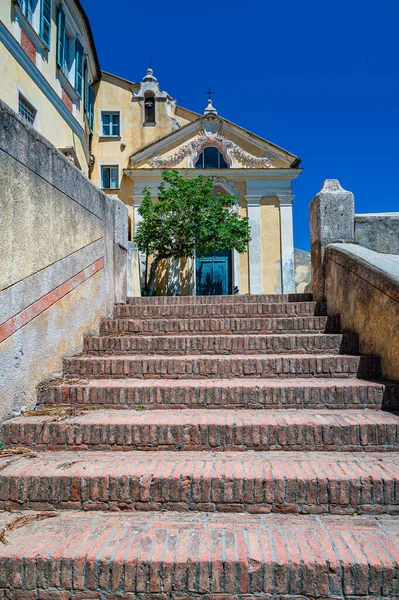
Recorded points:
(239, 148)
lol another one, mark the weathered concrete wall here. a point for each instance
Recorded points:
(378, 232)
(62, 256)
(362, 286)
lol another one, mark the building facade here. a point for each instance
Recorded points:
(123, 135)
(141, 132)
(48, 64)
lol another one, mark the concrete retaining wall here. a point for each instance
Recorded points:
(63, 260)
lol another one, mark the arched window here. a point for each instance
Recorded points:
(211, 158)
(149, 108)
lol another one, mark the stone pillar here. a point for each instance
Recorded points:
(254, 250)
(332, 218)
(137, 202)
(133, 270)
(236, 270)
(174, 277)
(287, 245)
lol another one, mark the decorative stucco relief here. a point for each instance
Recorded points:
(210, 132)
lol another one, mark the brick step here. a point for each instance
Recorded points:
(223, 344)
(257, 482)
(245, 309)
(222, 430)
(170, 556)
(238, 299)
(221, 393)
(221, 325)
(222, 367)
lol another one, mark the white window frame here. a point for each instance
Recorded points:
(110, 165)
(32, 30)
(25, 97)
(100, 120)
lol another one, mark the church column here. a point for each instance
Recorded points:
(287, 245)
(255, 264)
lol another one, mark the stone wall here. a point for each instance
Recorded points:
(362, 286)
(63, 260)
(378, 232)
(349, 271)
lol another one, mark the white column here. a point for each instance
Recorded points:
(287, 245)
(174, 277)
(236, 270)
(255, 261)
(137, 201)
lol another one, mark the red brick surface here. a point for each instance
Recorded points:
(28, 46)
(221, 344)
(257, 482)
(67, 100)
(235, 309)
(202, 482)
(216, 557)
(224, 367)
(225, 325)
(350, 430)
(217, 393)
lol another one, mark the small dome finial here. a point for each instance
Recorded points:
(210, 109)
(150, 71)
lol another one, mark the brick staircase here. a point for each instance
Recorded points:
(265, 468)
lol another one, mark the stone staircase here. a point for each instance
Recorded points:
(265, 468)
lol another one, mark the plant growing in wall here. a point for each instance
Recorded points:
(188, 217)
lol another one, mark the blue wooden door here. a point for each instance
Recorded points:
(213, 273)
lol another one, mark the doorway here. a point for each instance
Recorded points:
(214, 274)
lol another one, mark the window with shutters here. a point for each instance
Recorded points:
(110, 177)
(70, 52)
(37, 15)
(110, 123)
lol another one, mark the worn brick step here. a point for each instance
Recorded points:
(221, 366)
(220, 325)
(137, 311)
(170, 556)
(257, 482)
(221, 393)
(223, 344)
(238, 299)
(223, 429)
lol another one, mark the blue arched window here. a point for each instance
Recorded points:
(211, 158)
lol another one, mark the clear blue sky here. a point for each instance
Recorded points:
(319, 78)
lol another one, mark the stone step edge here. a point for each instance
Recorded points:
(253, 482)
(220, 393)
(289, 430)
(173, 558)
(254, 298)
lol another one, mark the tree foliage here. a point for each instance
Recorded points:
(188, 217)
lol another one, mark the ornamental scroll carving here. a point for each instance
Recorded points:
(210, 132)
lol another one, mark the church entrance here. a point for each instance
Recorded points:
(214, 274)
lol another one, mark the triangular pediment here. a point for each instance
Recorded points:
(241, 148)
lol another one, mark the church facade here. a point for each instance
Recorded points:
(142, 132)
(123, 135)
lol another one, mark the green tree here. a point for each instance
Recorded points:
(188, 217)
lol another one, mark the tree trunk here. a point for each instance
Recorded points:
(153, 271)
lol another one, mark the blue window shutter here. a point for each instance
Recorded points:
(79, 69)
(61, 38)
(20, 3)
(86, 86)
(45, 21)
(91, 107)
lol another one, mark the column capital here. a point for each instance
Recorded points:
(285, 200)
(253, 200)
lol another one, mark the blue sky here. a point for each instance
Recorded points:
(319, 78)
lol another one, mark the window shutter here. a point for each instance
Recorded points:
(91, 107)
(45, 21)
(86, 86)
(79, 69)
(20, 3)
(61, 38)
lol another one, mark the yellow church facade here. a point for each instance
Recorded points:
(142, 132)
